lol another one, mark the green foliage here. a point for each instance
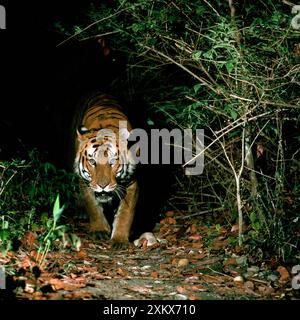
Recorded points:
(54, 232)
(52, 223)
(28, 189)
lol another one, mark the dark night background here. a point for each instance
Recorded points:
(41, 83)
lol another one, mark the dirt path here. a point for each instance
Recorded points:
(189, 263)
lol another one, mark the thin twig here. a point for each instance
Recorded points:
(217, 92)
(201, 212)
(97, 36)
(7, 182)
(237, 176)
(220, 273)
(238, 189)
(215, 11)
(288, 3)
(259, 281)
(182, 12)
(90, 25)
(240, 98)
(223, 134)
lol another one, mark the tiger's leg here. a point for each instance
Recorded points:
(98, 222)
(124, 217)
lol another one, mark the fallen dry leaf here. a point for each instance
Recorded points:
(220, 244)
(68, 285)
(121, 272)
(192, 229)
(197, 245)
(190, 288)
(284, 274)
(195, 237)
(57, 284)
(37, 294)
(82, 254)
(212, 279)
(181, 289)
(139, 289)
(78, 295)
(233, 272)
(197, 287)
(10, 254)
(264, 290)
(168, 220)
(27, 262)
(29, 240)
(249, 285)
(99, 276)
(230, 261)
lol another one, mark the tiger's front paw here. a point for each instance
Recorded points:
(120, 245)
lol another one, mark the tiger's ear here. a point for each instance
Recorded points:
(81, 131)
(124, 134)
(125, 138)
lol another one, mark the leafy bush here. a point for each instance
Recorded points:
(28, 191)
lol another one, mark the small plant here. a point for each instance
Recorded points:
(55, 232)
(28, 189)
(218, 227)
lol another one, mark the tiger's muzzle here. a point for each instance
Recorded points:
(103, 196)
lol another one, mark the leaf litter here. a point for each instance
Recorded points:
(185, 261)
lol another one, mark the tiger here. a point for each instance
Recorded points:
(106, 168)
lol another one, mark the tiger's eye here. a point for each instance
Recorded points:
(92, 162)
(113, 161)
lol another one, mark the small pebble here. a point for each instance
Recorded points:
(180, 297)
(238, 279)
(183, 263)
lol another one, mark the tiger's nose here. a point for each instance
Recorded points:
(103, 184)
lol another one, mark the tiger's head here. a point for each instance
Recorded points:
(104, 162)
